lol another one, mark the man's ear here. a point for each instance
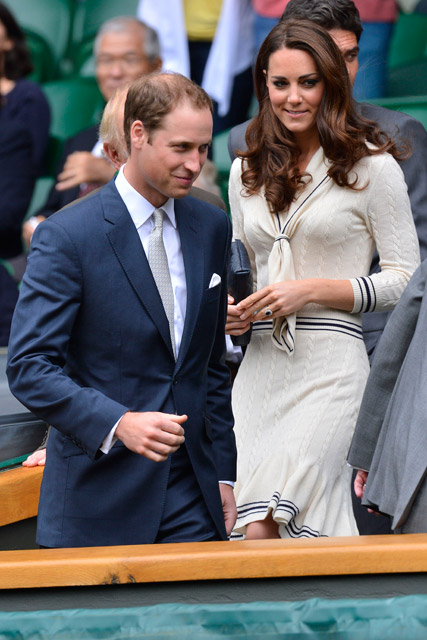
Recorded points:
(113, 156)
(156, 64)
(138, 134)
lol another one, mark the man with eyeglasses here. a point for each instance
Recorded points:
(125, 48)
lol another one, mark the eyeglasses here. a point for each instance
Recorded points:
(129, 60)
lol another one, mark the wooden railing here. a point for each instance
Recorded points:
(19, 494)
(192, 561)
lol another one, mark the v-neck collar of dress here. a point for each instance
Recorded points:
(317, 168)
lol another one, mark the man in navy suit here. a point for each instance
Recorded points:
(142, 448)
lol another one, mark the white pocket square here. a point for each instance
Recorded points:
(216, 279)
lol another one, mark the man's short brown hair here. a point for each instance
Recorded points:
(155, 95)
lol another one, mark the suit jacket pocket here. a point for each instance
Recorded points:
(70, 448)
(211, 294)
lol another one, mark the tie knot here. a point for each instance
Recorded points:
(158, 218)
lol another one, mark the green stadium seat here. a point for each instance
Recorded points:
(415, 106)
(222, 161)
(409, 40)
(408, 79)
(41, 56)
(90, 15)
(51, 20)
(76, 103)
(40, 193)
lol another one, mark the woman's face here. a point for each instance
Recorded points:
(6, 44)
(296, 89)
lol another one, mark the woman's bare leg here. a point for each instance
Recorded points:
(263, 529)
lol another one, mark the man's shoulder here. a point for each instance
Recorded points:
(207, 196)
(88, 208)
(236, 139)
(389, 120)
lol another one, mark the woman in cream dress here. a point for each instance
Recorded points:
(314, 194)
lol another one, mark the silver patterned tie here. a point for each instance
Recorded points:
(159, 265)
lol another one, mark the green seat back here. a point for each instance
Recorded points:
(41, 191)
(42, 57)
(415, 106)
(76, 103)
(409, 39)
(49, 19)
(408, 79)
(92, 13)
(222, 162)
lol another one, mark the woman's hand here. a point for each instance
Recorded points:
(280, 298)
(235, 326)
(283, 298)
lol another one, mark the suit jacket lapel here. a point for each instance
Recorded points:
(128, 249)
(192, 251)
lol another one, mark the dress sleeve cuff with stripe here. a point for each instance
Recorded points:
(365, 298)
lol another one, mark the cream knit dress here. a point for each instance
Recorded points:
(296, 406)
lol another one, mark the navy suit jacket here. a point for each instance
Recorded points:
(90, 340)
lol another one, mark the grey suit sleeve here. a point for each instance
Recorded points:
(401, 126)
(415, 171)
(389, 356)
(236, 139)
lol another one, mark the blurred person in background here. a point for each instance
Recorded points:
(125, 48)
(210, 42)
(378, 18)
(24, 134)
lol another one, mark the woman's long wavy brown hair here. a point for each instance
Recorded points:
(272, 154)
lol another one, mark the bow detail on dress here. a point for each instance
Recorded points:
(280, 269)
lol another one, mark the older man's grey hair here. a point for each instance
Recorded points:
(150, 39)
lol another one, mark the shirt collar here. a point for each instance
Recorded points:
(139, 208)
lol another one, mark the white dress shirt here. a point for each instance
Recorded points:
(141, 211)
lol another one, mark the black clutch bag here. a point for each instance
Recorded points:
(240, 283)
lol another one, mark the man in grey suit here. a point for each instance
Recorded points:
(342, 20)
(389, 445)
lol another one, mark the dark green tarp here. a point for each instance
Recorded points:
(400, 618)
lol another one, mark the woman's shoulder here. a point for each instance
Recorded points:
(237, 166)
(25, 87)
(377, 162)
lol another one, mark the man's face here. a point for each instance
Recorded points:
(347, 44)
(165, 163)
(121, 60)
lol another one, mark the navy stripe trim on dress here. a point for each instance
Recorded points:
(368, 294)
(286, 506)
(361, 293)
(308, 323)
(329, 324)
(375, 293)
